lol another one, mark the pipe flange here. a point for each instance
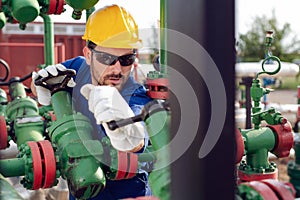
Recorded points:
(158, 88)
(51, 7)
(3, 133)
(246, 177)
(55, 7)
(133, 165)
(60, 6)
(280, 189)
(37, 166)
(122, 165)
(284, 139)
(49, 163)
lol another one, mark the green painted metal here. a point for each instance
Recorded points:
(7, 191)
(12, 167)
(17, 90)
(60, 108)
(3, 101)
(2, 20)
(163, 37)
(89, 12)
(268, 56)
(25, 11)
(158, 130)
(48, 40)
(258, 142)
(246, 192)
(163, 44)
(158, 123)
(147, 155)
(79, 5)
(23, 111)
(23, 165)
(257, 92)
(71, 133)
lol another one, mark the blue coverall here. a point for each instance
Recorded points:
(135, 96)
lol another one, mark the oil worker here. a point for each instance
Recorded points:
(103, 90)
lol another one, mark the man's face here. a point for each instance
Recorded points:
(110, 73)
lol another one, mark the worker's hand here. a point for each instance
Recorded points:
(107, 104)
(43, 94)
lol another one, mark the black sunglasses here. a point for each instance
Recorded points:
(109, 59)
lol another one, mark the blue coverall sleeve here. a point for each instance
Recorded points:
(74, 63)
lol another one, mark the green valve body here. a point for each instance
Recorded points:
(246, 192)
(258, 142)
(23, 112)
(71, 133)
(25, 11)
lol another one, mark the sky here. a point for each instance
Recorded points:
(286, 11)
(146, 12)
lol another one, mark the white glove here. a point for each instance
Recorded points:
(43, 94)
(107, 104)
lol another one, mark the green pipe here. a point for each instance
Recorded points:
(158, 129)
(62, 104)
(23, 111)
(79, 6)
(147, 155)
(89, 12)
(72, 134)
(48, 40)
(29, 131)
(12, 167)
(17, 90)
(163, 37)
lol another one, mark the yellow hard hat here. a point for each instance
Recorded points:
(114, 27)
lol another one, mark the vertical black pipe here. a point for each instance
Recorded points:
(211, 24)
(247, 81)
